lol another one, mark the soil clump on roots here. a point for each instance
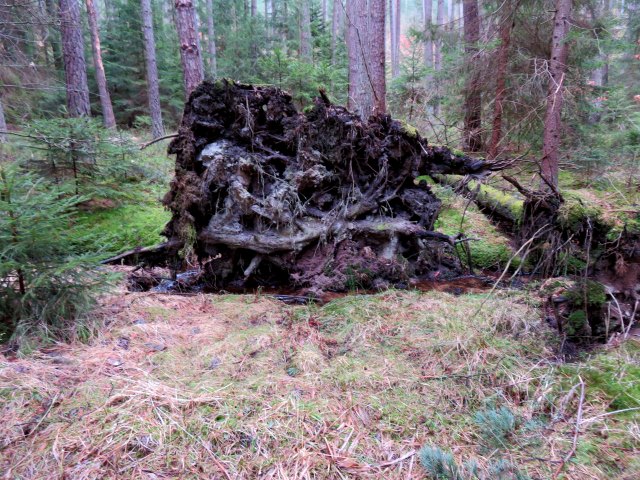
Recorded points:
(266, 196)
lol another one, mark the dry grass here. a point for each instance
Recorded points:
(245, 387)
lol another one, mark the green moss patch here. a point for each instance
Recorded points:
(122, 228)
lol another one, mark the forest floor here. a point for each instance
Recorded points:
(243, 386)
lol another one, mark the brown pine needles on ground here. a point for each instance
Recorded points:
(244, 387)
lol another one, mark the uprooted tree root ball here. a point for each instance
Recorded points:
(265, 195)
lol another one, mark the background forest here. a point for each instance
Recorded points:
(524, 365)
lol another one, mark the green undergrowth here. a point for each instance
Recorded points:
(613, 377)
(113, 230)
(490, 249)
(329, 391)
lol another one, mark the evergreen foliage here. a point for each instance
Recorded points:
(45, 285)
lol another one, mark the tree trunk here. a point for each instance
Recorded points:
(108, 118)
(395, 41)
(428, 26)
(365, 44)
(324, 11)
(438, 42)
(472, 134)
(600, 75)
(153, 85)
(305, 30)
(254, 7)
(56, 50)
(211, 37)
(3, 124)
(335, 22)
(501, 74)
(75, 67)
(267, 22)
(392, 36)
(192, 69)
(557, 70)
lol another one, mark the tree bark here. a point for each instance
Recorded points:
(438, 42)
(395, 43)
(392, 35)
(472, 134)
(56, 50)
(108, 117)
(501, 74)
(335, 22)
(428, 26)
(555, 96)
(365, 44)
(75, 67)
(254, 7)
(305, 30)
(600, 75)
(153, 85)
(211, 37)
(192, 68)
(267, 20)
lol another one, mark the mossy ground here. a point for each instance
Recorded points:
(136, 219)
(121, 228)
(186, 387)
(490, 249)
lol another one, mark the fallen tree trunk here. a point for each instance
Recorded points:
(264, 195)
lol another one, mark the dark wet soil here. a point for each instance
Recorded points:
(187, 283)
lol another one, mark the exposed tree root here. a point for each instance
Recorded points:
(264, 195)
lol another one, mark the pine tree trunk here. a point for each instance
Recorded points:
(3, 124)
(211, 39)
(395, 37)
(75, 67)
(472, 134)
(501, 75)
(267, 21)
(335, 22)
(153, 85)
(377, 55)
(438, 42)
(254, 7)
(192, 69)
(392, 35)
(365, 45)
(108, 118)
(428, 25)
(555, 96)
(305, 30)
(53, 12)
(600, 75)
